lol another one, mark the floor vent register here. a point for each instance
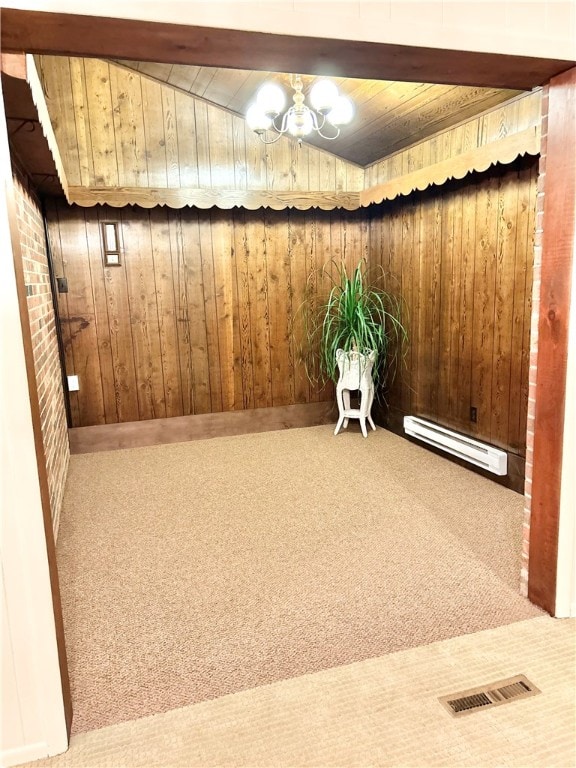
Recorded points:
(491, 695)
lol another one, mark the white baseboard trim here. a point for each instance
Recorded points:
(25, 754)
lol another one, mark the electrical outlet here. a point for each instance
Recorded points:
(73, 384)
(473, 414)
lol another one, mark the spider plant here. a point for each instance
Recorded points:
(358, 315)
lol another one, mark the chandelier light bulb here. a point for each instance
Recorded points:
(257, 120)
(271, 99)
(342, 112)
(323, 96)
(269, 114)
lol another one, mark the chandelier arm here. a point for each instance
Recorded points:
(269, 141)
(329, 138)
(282, 129)
(315, 125)
(293, 121)
(284, 124)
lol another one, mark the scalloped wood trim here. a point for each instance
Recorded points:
(209, 198)
(39, 100)
(505, 150)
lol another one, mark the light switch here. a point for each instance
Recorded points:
(73, 384)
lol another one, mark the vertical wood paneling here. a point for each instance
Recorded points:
(299, 164)
(143, 309)
(256, 161)
(322, 255)
(221, 148)
(98, 280)
(121, 345)
(171, 137)
(301, 250)
(484, 285)
(83, 130)
(435, 242)
(122, 129)
(504, 307)
(166, 310)
(239, 154)
(426, 364)
(512, 117)
(156, 164)
(80, 319)
(199, 317)
(103, 144)
(453, 285)
(259, 313)
(128, 115)
(466, 336)
(193, 310)
(222, 254)
(404, 372)
(464, 255)
(244, 309)
(202, 143)
(211, 313)
(280, 307)
(447, 303)
(187, 149)
(393, 266)
(235, 315)
(183, 309)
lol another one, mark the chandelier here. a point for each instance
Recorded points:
(330, 111)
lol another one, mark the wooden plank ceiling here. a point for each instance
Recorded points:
(389, 115)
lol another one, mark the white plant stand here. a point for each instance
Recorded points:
(355, 374)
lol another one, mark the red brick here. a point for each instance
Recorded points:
(44, 341)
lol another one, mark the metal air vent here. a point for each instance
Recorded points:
(491, 695)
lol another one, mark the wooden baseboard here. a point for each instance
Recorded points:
(393, 420)
(179, 429)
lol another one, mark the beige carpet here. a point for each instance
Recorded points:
(380, 712)
(196, 570)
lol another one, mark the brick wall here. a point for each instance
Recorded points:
(44, 341)
(534, 347)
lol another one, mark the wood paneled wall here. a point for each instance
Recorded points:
(198, 318)
(513, 117)
(463, 255)
(116, 128)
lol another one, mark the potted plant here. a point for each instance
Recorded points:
(359, 316)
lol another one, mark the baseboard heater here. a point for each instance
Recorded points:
(480, 454)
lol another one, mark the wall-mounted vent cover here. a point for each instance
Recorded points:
(491, 695)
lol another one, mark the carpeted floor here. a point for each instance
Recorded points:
(380, 712)
(195, 570)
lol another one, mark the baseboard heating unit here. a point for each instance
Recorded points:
(481, 454)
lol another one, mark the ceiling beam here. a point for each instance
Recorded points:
(90, 36)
